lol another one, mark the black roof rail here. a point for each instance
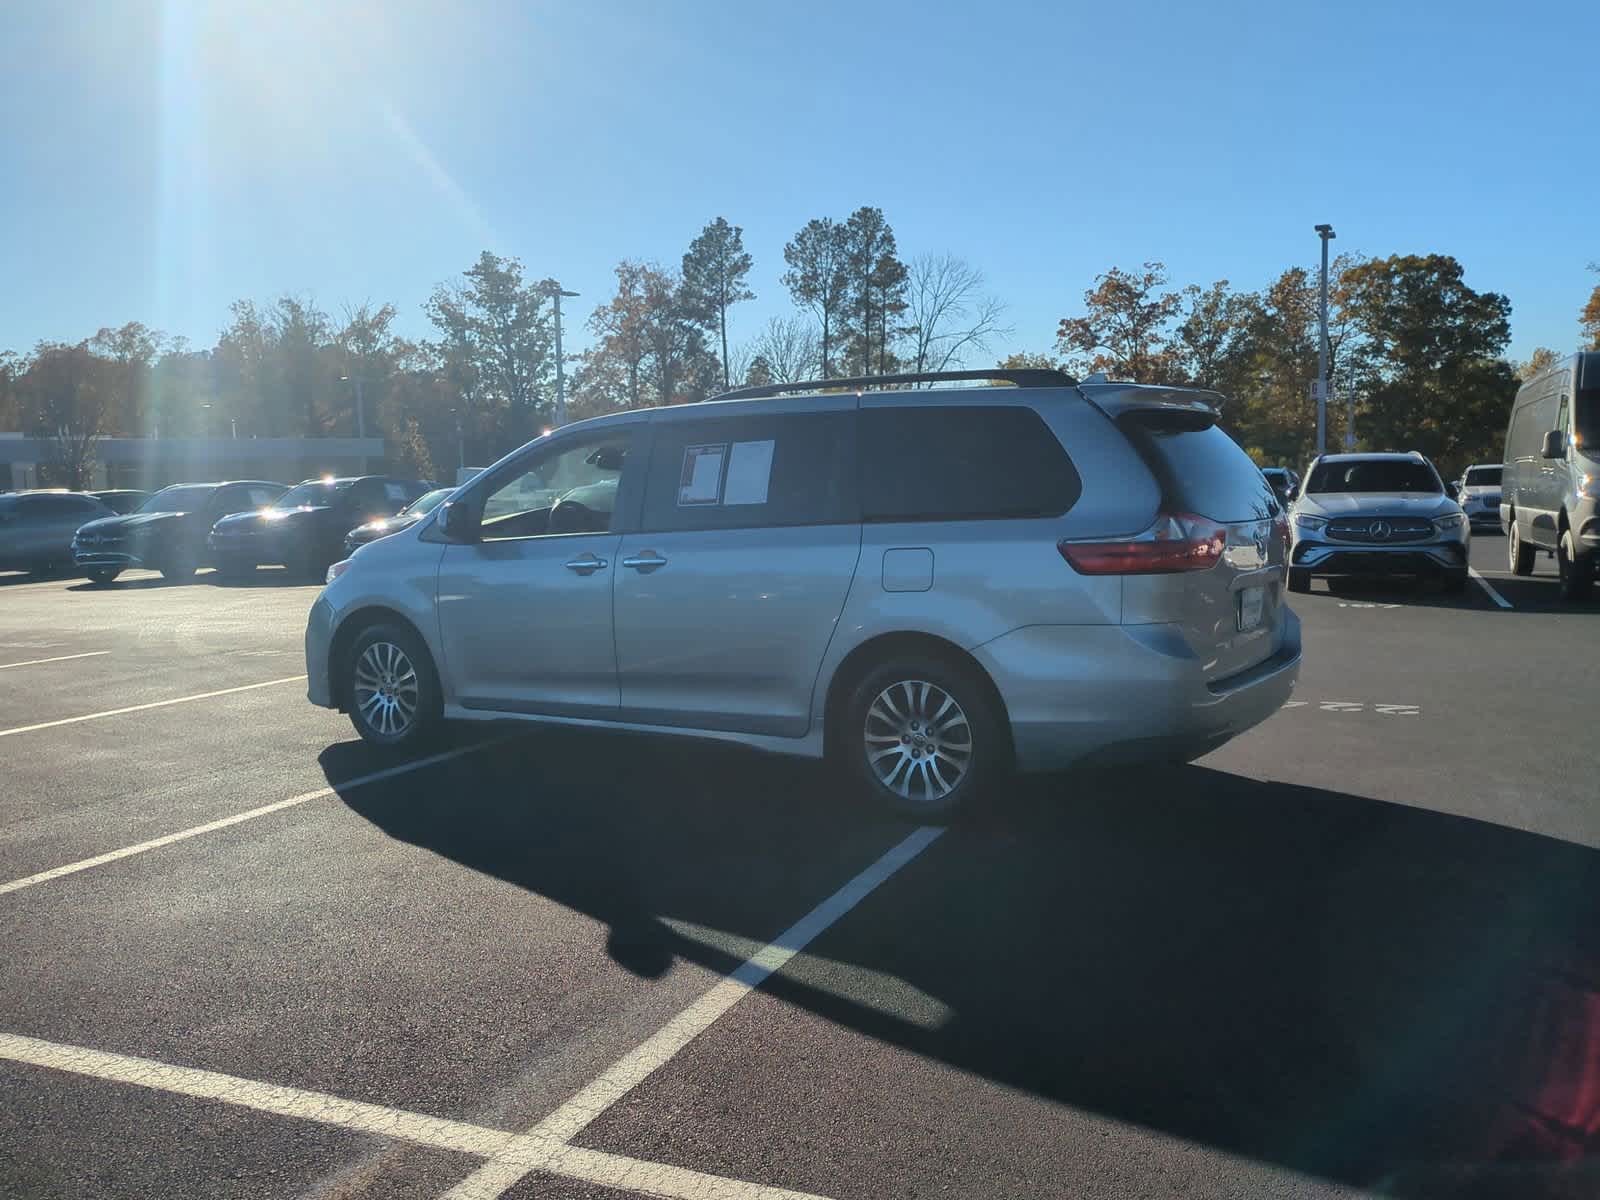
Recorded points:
(1022, 377)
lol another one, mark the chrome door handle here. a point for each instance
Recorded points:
(649, 560)
(588, 564)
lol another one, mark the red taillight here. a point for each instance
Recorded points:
(1176, 542)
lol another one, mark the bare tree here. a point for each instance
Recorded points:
(790, 348)
(948, 315)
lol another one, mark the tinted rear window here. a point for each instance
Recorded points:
(952, 463)
(1483, 477)
(1201, 471)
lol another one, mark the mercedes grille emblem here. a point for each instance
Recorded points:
(1380, 531)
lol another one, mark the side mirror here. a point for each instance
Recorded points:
(1452, 491)
(1555, 444)
(458, 522)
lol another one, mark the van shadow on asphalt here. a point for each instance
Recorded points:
(1372, 993)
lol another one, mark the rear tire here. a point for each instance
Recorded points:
(1299, 579)
(391, 688)
(102, 575)
(1519, 556)
(1576, 574)
(922, 737)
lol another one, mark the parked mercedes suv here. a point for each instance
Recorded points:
(304, 528)
(1377, 515)
(930, 586)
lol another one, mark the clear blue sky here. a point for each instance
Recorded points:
(160, 158)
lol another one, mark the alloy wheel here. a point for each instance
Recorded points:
(918, 741)
(386, 689)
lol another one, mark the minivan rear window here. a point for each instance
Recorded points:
(962, 462)
(1201, 471)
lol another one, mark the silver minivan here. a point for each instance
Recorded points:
(929, 586)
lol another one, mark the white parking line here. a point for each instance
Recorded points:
(36, 662)
(117, 712)
(1489, 587)
(83, 864)
(441, 1133)
(560, 1127)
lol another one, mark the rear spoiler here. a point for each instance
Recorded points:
(1197, 407)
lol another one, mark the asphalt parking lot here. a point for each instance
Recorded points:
(1354, 951)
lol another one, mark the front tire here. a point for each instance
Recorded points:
(1299, 579)
(392, 688)
(921, 737)
(1519, 557)
(1576, 574)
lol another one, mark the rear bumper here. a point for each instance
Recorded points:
(1090, 694)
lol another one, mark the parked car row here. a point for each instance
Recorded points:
(234, 526)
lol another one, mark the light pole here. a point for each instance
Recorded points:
(1325, 232)
(556, 292)
(361, 412)
(461, 446)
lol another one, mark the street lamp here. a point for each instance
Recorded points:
(556, 292)
(1325, 232)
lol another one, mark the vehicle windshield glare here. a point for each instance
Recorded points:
(1374, 475)
(177, 499)
(319, 494)
(426, 502)
(1483, 477)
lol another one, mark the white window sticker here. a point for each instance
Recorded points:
(749, 473)
(701, 481)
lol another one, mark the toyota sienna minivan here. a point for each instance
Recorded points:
(928, 586)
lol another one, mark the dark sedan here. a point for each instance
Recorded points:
(404, 519)
(168, 532)
(305, 529)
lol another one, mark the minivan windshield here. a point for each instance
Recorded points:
(426, 502)
(177, 499)
(1483, 477)
(1374, 475)
(318, 494)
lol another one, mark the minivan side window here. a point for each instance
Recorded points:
(570, 487)
(758, 470)
(962, 462)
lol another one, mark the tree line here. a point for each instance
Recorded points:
(1421, 352)
(1418, 354)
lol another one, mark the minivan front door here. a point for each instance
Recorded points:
(525, 611)
(727, 597)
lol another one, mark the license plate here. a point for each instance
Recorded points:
(1252, 601)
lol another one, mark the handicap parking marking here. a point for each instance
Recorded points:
(1356, 706)
(39, 662)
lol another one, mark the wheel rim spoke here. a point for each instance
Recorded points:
(387, 689)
